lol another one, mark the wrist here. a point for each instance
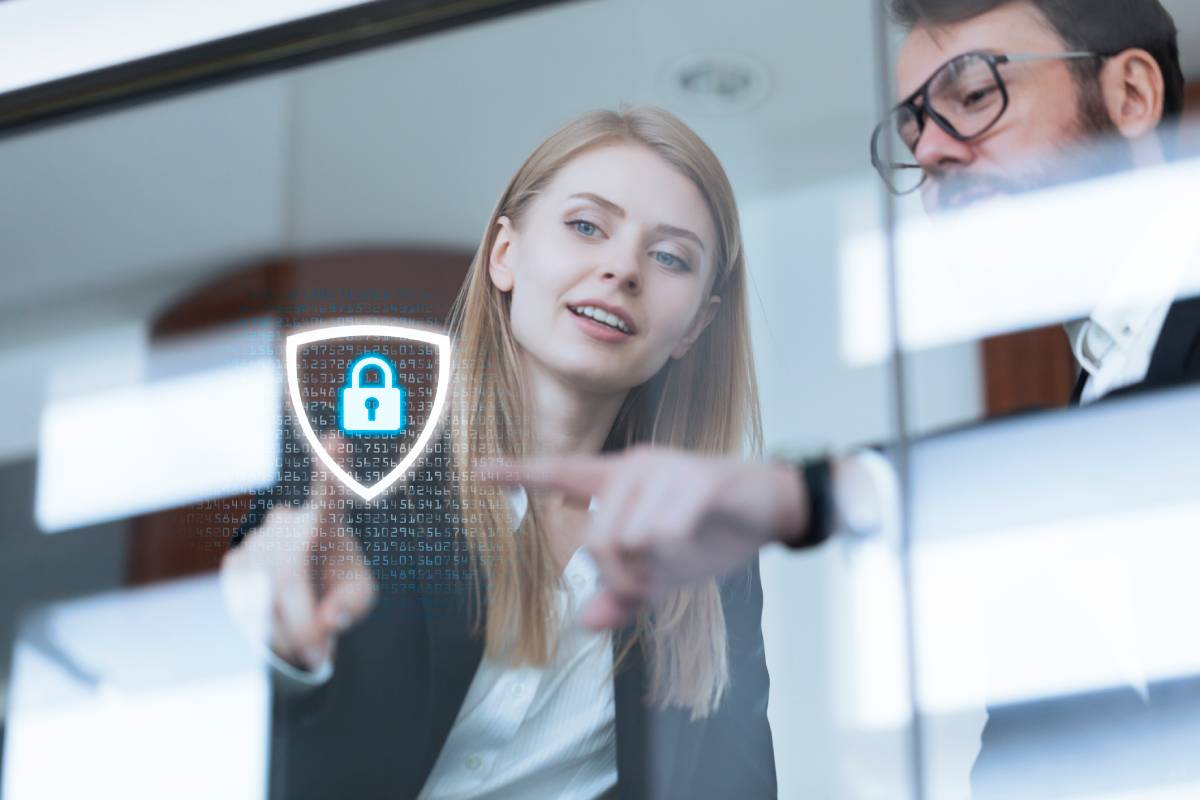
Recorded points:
(792, 509)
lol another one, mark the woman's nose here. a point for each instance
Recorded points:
(626, 273)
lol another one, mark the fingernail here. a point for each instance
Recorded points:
(341, 619)
(315, 656)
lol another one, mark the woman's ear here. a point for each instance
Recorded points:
(1133, 88)
(703, 317)
(501, 257)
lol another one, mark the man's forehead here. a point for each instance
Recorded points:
(1011, 28)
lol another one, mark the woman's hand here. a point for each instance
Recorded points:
(317, 580)
(665, 517)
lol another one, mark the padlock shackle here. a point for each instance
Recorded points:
(386, 374)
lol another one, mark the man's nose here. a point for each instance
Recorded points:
(938, 151)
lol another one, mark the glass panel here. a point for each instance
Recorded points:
(1047, 273)
(160, 254)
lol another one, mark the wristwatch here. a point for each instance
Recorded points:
(860, 495)
(816, 477)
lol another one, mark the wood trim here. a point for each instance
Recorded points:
(1191, 99)
(1027, 371)
(1189, 145)
(278, 47)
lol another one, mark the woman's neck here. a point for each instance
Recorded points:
(566, 421)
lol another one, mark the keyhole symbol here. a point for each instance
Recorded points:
(371, 404)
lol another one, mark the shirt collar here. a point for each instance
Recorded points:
(1118, 323)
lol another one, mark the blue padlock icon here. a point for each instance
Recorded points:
(375, 409)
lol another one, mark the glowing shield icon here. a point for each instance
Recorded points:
(436, 341)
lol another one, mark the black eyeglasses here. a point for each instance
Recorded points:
(965, 97)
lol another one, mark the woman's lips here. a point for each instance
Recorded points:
(598, 330)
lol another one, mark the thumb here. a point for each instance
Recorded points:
(606, 612)
(346, 602)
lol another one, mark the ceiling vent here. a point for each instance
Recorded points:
(717, 83)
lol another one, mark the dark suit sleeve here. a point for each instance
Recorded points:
(737, 756)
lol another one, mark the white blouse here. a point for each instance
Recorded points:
(537, 731)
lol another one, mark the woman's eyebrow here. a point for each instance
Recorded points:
(683, 233)
(610, 206)
(607, 205)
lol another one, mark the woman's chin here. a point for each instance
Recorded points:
(597, 379)
(589, 369)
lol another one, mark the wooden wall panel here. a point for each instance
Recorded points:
(1027, 371)
(1191, 130)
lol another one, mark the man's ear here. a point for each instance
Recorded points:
(704, 316)
(501, 257)
(1134, 91)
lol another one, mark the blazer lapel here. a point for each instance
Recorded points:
(1177, 353)
(649, 741)
(454, 656)
(1080, 383)
(454, 650)
(1176, 358)
(628, 688)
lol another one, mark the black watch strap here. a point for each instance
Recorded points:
(817, 478)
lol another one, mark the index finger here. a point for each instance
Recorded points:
(608, 611)
(581, 477)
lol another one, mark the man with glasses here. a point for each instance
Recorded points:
(994, 91)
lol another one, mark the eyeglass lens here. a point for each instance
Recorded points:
(965, 94)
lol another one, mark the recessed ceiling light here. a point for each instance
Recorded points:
(717, 83)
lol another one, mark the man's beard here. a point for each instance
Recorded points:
(1093, 147)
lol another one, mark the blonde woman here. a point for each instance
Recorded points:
(605, 309)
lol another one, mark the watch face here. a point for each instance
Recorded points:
(864, 493)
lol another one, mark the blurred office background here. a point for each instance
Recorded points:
(128, 234)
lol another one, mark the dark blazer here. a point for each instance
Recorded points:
(400, 677)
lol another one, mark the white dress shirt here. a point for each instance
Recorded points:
(533, 732)
(1115, 345)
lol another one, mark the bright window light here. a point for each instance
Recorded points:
(50, 39)
(133, 695)
(1056, 554)
(1021, 262)
(163, 444)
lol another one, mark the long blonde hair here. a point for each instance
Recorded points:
(706, 402)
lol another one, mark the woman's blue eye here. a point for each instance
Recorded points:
(671, 260)
(584, 227)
